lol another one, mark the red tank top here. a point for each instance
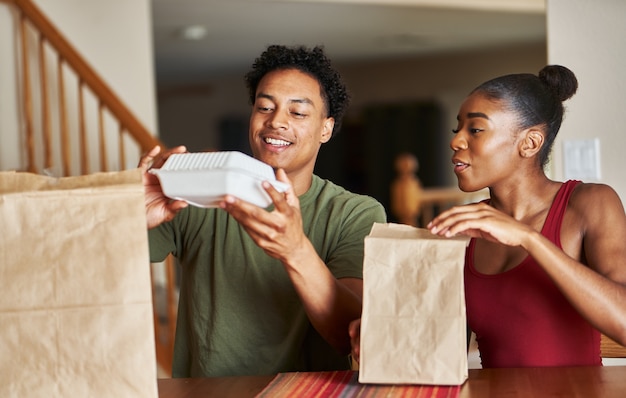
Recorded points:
(520, 317)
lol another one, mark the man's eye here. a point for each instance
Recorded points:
(474, 131)
(454, 131)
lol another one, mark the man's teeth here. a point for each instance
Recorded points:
(274, 141)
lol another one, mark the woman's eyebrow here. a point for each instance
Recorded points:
(471, 115)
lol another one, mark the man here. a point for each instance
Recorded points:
(270, 290)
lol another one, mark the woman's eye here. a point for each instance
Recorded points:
(472, 130)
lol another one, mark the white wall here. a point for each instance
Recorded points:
(589, 37)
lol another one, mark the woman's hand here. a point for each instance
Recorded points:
(480, 220)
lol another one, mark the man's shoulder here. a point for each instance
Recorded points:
(336, 201)
(334, 192)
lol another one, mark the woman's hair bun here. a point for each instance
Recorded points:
(561, 81)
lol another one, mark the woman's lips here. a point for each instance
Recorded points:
(459, 166)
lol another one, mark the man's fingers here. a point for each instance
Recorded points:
(148, 158)
(156, 158)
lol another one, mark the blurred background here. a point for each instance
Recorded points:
(408, 65)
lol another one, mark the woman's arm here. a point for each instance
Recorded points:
(595, 285)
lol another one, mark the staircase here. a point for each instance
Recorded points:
(71, 123)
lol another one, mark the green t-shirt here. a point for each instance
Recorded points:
(239, 313)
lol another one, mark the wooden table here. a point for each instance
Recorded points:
(583, 382)
(222, 387)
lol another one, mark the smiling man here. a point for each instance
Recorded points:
(270, 290)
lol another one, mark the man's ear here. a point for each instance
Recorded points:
(327, 130)
(531, 143)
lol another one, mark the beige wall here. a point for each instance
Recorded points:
(589, 37)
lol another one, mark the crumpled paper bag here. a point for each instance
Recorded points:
(75, 309)
(413, 325)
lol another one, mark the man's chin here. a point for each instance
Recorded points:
(271, 158)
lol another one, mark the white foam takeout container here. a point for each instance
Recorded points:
(203, 179)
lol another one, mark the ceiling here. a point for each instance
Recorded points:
(237, 31)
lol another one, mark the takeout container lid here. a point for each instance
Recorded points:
(203, 179)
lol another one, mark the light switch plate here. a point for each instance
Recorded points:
(582, 159)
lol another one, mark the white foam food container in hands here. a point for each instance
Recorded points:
(203, 179)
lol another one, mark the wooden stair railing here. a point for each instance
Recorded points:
(610, 348)
(87, 78)
(47, 146)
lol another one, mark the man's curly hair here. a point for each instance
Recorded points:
(311, 61)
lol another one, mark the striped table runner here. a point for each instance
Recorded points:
(345, 384)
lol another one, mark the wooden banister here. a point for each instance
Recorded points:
(610, 348)
(28, 101)
(45, 106)
(86, 73)
(107, 104)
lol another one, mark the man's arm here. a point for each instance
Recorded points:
(330, 303)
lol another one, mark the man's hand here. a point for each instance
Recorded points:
(159, 208)
(354, 331)
(279, 232)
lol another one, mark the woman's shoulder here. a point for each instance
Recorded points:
(596, 199)
(591, 190)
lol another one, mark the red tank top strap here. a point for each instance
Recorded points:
(552, 226)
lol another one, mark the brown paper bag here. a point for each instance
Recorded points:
(413, 328)
(75, 303)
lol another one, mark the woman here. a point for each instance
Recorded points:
(546, 266)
